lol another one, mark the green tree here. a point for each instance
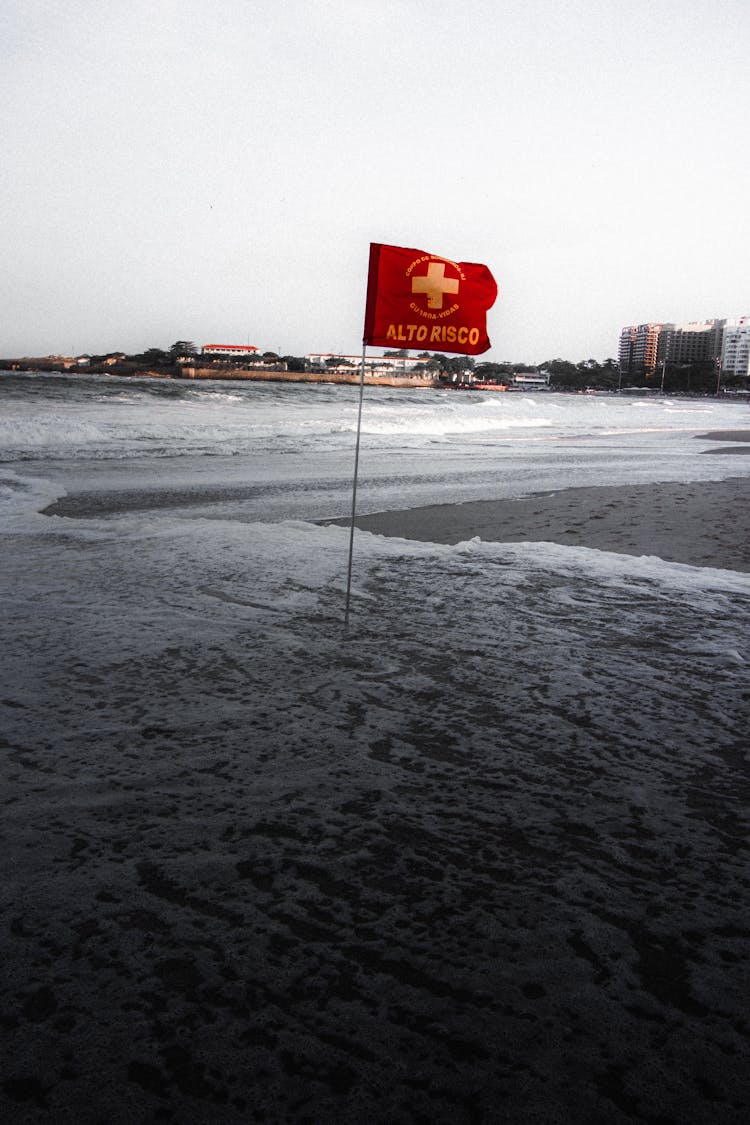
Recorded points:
(559, 367)
(294, 362)
(154, 357)
(564, 374)
(609, 375)
(698, 377)
(494, 371)
(450, 364)
(182, 347)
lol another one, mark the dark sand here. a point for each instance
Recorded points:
(701, 524)
(484, 861)
(727, 435)
(739, 438)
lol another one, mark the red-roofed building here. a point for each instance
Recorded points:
(238, 351)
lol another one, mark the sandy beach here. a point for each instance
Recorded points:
(701, 525)
(481, 858)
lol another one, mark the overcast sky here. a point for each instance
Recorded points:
(214, 170)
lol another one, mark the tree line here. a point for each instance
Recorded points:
(699, 377)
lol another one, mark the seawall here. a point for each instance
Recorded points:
(259, 375)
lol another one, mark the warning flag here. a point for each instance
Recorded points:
(415, 299)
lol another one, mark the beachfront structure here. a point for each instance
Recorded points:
(229, 351)
(645, 347)
(638, 349)
(691, 342)
(735, 351)
(403, 364)
(530, 380)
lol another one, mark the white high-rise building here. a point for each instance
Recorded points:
(735, 351)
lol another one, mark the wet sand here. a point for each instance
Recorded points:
(485, 861)
(740, 441)
(727, 435)
(701, 524)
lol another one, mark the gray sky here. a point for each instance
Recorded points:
(215, 170)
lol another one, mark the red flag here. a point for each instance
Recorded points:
(423, 300)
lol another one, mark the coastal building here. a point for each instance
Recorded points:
(643, 348)
(735, 352)
(638, 348)
(528, 380)
(229, 351)
(403, 364)
(691, 342)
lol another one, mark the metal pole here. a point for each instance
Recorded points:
(354, 488)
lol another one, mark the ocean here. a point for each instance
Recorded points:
(481, 857)
(290, 447)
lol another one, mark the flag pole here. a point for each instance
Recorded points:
(354, 486)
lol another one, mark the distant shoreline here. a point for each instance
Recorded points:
(184, 373)
(251, 375)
